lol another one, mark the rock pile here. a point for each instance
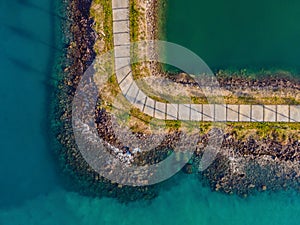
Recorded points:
(246, 167)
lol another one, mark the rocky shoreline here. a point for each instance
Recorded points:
(230, 82)
(246, 167)
(242, 167)
(78, 175)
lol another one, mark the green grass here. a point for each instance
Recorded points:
(134, 15)
(280, 132)
(101, 12)
(136, 35)
(157, 98)
(173, 124)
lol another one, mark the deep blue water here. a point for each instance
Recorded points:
(30, 191)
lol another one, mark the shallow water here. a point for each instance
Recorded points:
(30, 191)
(187, 203)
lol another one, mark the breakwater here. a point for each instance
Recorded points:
(80, 38)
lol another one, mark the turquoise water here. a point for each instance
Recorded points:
(26, 54)
(30, 189)
(238, 34)
(187, 203)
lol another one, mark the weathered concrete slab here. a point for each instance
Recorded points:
(245, 113)
(270, 113)
(140, 100)
(160, 110)
(121, 62)
(196, 112)
(172, 112)
(283, 113)
(132, 93)
(122, 51)
(208, 112)
(120, 14)
(121, 26)
(120, 4)
(149, 107)
(184, 111)
(220, 112)
(125, 84)
(121, 39)
(232, 113)
(122, 73)
(295, 113)
(257, 113)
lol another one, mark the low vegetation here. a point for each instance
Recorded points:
(101, 12)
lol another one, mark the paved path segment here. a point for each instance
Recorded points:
(191, 112)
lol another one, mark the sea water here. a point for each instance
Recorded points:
(30, 189)
(238, 34)
(26, 55)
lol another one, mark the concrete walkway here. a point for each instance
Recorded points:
(192, 112)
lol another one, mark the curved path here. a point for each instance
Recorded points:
(192, 112)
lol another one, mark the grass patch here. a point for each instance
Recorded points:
(142, 116)
(157, 98)
(134, 16)
(280, 132)
(173, 124)
(137, 33)
(101, 12)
